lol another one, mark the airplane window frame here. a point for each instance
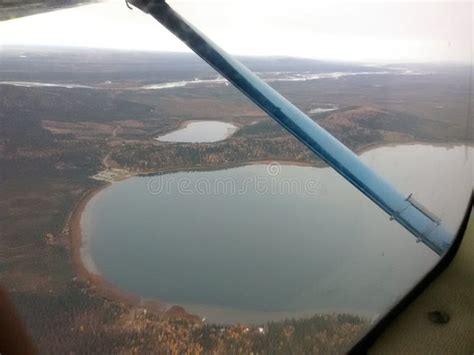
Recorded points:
(377, 328)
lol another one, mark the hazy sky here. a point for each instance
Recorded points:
(376, 31)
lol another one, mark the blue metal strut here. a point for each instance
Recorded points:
(405, 210)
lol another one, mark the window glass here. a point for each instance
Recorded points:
(147, 204)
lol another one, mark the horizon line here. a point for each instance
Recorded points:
(192, 54)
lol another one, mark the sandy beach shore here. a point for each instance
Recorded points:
(76, 238)
(97, 282)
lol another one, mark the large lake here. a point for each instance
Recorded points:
(200, 132)
(258, 242)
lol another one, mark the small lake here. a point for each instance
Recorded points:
(267, 242)
(200, 132)
(323, 108)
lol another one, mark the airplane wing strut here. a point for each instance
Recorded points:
(404, 209)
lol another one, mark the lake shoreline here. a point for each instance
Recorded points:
(94, 280)
(186, 124)
(76, 238)
(102, 287)
(106, 289)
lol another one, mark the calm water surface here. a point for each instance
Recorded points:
(200, 132)
(259, 243)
